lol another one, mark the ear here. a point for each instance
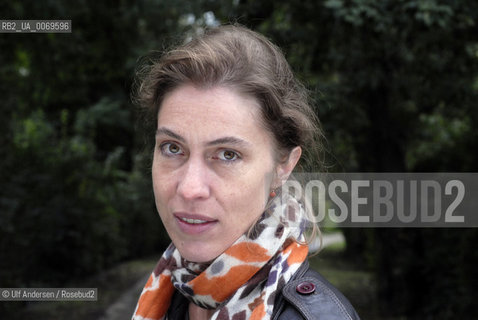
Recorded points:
(284, 169)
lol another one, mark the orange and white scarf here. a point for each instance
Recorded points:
(242, 282)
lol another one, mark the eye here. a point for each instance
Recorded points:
(228, 155)
(170, 149)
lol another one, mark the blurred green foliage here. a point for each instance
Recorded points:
(396, 86)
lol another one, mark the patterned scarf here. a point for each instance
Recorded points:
(242, 282)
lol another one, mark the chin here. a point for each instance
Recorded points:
(198, 258)
(198, 255)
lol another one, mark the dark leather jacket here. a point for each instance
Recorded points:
(307, 296)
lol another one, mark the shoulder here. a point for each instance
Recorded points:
(310, 296)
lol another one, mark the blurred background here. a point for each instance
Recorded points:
(395, 84)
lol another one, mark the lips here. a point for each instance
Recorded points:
(194, 223)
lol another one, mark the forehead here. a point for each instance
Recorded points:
(213, 110)
(194, 99)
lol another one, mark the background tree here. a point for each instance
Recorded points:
(396, 88)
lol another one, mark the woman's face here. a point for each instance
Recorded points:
(212, 170)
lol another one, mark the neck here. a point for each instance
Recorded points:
(198, 313)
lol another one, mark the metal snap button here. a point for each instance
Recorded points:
(305, 287)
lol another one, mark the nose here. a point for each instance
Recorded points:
(193, 182)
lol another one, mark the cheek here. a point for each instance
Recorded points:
(248, 199)
(257, 183)
(162, 187)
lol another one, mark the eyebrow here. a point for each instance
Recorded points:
(223, 140)
(229, 140)
(170, 133)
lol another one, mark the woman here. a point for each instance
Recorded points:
(231, 123)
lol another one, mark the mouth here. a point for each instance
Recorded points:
(194, 223)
